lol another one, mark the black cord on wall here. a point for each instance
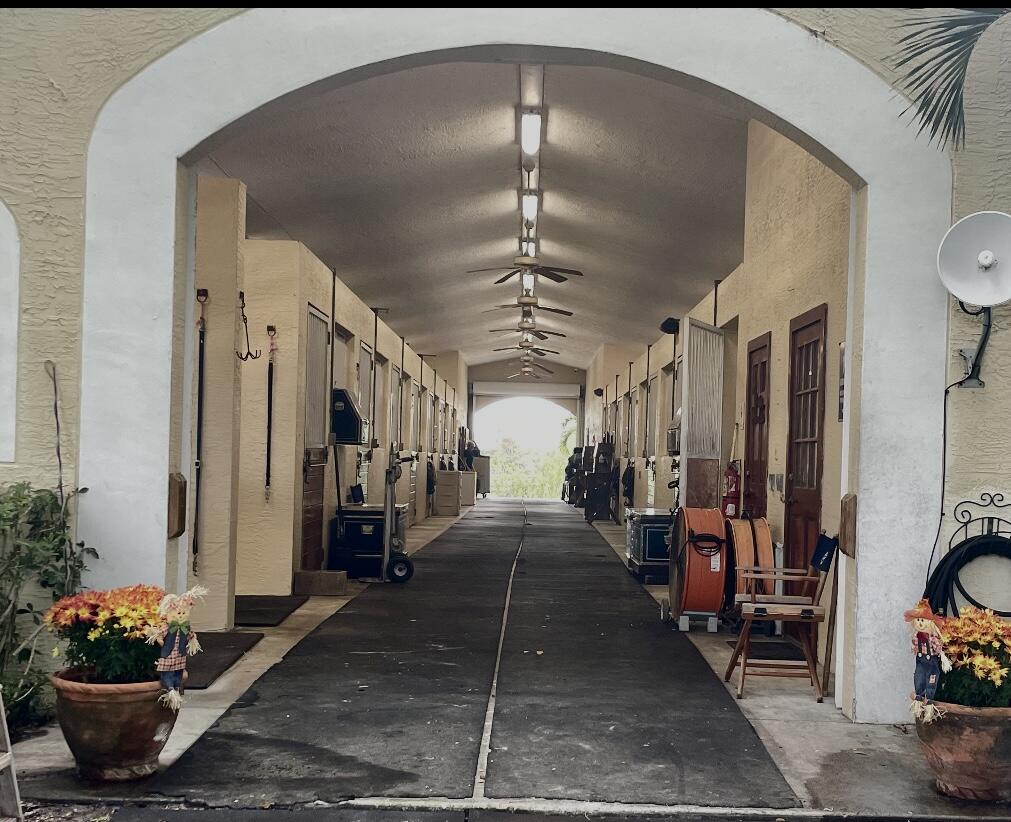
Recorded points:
(51, 371)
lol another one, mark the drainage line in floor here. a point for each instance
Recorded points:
(482, 760)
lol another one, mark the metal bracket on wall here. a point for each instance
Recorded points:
(974, 356)
(969, 355)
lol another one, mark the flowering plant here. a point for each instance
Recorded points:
(106, 632)
(978, 642)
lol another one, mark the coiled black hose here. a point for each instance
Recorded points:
(944, 580)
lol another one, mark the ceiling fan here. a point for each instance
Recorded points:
(525, 301)
(540, 352)
(526, 361)
(527, 366)
(540, 333)
(527, 263)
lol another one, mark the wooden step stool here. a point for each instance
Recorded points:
(10, 797)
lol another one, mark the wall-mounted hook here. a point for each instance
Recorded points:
(249, 355)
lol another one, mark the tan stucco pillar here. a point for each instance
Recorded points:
(220, 233)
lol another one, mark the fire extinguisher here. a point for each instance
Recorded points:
(730, 506)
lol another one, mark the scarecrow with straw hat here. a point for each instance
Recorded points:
(925, 638)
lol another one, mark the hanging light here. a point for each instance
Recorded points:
(530, 203)
(530, 131)
(528, 280)
(528, 246)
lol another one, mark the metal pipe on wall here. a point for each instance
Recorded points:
(400, 388)
(671, 326)
(645, 444)
(617, 399)
(628, 422)
(604, 413)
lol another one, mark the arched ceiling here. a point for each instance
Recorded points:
(404, 181)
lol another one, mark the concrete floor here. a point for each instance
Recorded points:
(47, 753)
(834, 767)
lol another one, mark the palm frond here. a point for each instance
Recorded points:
(934, 56)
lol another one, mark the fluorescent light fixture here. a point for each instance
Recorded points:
(530, 206)
(530, 132)
(528, 280)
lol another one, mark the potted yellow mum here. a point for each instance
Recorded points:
(110, 703)
(967, 739)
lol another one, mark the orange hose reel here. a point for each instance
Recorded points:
(698, 566)
(751, 541)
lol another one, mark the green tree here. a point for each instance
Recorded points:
(521, 472)
(934, 57)
(568, 434)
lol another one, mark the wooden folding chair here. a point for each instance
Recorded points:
(803, 608)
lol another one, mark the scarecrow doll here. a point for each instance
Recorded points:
(925, 638)
(177, 640)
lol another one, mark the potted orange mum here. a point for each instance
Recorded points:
(114, 712)
(967, 738)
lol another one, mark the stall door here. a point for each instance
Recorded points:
(806, 435)
(314, 457)
(756, 453)
(701, 385)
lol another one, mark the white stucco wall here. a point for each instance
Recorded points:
(10, 317)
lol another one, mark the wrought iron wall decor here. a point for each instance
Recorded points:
(983, 531)
(248, 355)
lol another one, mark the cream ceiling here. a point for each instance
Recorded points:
(404, 181)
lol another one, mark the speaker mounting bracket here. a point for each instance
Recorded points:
(969, 355)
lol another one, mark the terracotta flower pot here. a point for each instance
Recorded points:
(969, 750)
(115, 732)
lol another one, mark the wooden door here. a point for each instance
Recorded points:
(805, 443)
(756, 444)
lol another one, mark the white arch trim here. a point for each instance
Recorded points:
(217, 77)
(10, 284)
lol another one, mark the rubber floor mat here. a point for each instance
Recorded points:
(599, 700)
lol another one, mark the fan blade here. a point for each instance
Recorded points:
(540, 335)
(512, 273)
(543, 351)
(485, 270)
(497, 308)
(514, 376)
(572, 272)
(543, 367)
(558, 278)
(502, 330)
(561, 311)
(552, 333)
(510, 348)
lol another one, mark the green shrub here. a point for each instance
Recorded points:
(37, 551)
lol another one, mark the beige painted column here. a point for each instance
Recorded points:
(220, 233)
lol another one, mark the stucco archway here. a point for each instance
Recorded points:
(808, 86)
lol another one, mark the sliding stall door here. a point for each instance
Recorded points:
(314, 457)
(701, 414)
